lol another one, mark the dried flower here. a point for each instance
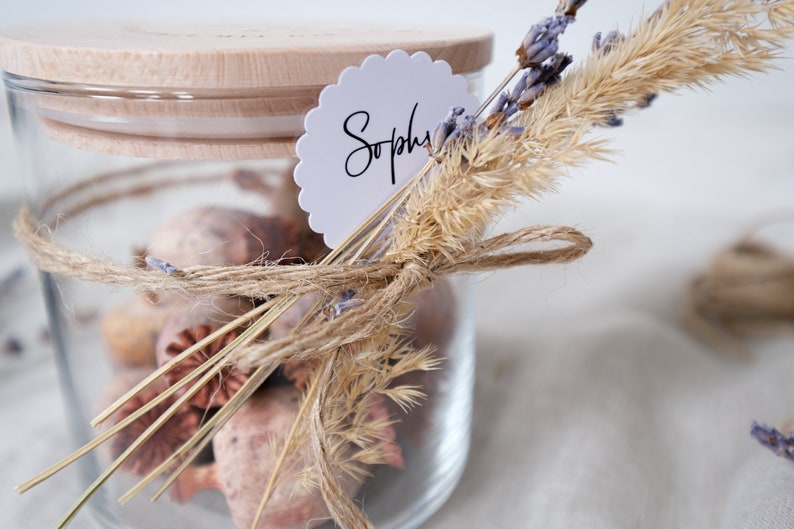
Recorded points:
(247, 453)
(193, 480)
(606, 44)
(228, 381)
(774, 440)
(539, 44)
(163, 443)
(165, 266)
(444, 129)
(347, 301)
(541, 41)
(464, 130)
(215, 235)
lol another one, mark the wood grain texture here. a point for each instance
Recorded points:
(202, 90)
(223, 56)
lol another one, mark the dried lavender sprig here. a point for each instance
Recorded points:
(541, 41)
(771, 438)
(463, 130)
(344, 306)
(566, 8)
(538, 46)
(530, 77)
(444, 128)
(606, 45)
(501, 102)
(528, 89)
(505, 99)
(165, 266)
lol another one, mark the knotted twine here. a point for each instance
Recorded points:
(748, 289)
(391, 283)
(387, 286)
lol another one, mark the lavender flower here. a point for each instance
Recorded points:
(540, 42)
(612, 120)
(347, 301)
(538, 55)
(646, 102)
(606, 44)
(165, 266)
(774, 440)
(530, 95)
(551, 72)
(529, 78)
(513, 131)
(445, 128)
(465, 129)
(501, 103)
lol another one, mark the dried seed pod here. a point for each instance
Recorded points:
(276, 185)
(163, 443)
(131, 329)
(189, 326)
(224, 236)
(193, 480)
(216, 311)
(218, 390)
(245, 453)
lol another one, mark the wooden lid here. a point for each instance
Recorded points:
(215, 55)
(201, 90)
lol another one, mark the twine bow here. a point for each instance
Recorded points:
(386, 286)
(390, 283)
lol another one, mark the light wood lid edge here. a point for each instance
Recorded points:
(204, 55)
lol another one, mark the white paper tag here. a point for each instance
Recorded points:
(366, 138)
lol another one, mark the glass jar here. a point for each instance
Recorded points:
(178, 143)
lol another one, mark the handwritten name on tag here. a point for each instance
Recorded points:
(367, 137)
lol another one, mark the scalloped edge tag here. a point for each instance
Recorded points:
(366, 137)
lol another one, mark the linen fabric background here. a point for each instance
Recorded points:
(594, 406)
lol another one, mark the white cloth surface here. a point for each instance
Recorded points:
(594, 407)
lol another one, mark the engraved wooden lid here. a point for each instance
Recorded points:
(222, 55)
(203, 89)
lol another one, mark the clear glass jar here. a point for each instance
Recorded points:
(175, 161)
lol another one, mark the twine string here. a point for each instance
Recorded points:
(392, 283)
(386, 285)
(262, 280)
